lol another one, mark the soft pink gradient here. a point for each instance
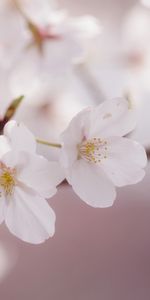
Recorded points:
(95, 253)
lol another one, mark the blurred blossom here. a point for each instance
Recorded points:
(136, 33)
(145, 3)
(46, 42)
(12, 34)
(6, 96)
(124, 68)
(62, 63)
(65, 42)
(136, 49)
(37, 10)
(40, 47)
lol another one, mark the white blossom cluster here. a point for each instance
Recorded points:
(95, 157)
(39, 42)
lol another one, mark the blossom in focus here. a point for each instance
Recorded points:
(97, 157)
(26, 180)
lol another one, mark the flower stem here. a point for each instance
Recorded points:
(55, 145)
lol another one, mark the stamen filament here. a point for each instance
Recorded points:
(55, 145)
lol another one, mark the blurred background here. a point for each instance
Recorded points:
(63, 57)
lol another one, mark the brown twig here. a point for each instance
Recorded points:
(148, 153)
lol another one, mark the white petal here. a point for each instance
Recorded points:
(68, 155)
(2, 207)
(4, 145)
(35, 171)
(11, 159)
(73, 135)
(92, 185)
(112, 118)
(77, 128)
(29, 217)
(125, 161)
(38, 173)
(86, 27)
(20, 137)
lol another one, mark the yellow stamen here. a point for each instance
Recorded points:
(94, 150)
(7, 181)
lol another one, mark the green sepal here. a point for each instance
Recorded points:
(11, 110)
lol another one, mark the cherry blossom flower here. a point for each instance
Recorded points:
(47, 42)
(26, 180)
(97, 157)
(54, 45)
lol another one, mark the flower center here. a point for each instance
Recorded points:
(41, 34)
(7, 179)
(93, 150)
